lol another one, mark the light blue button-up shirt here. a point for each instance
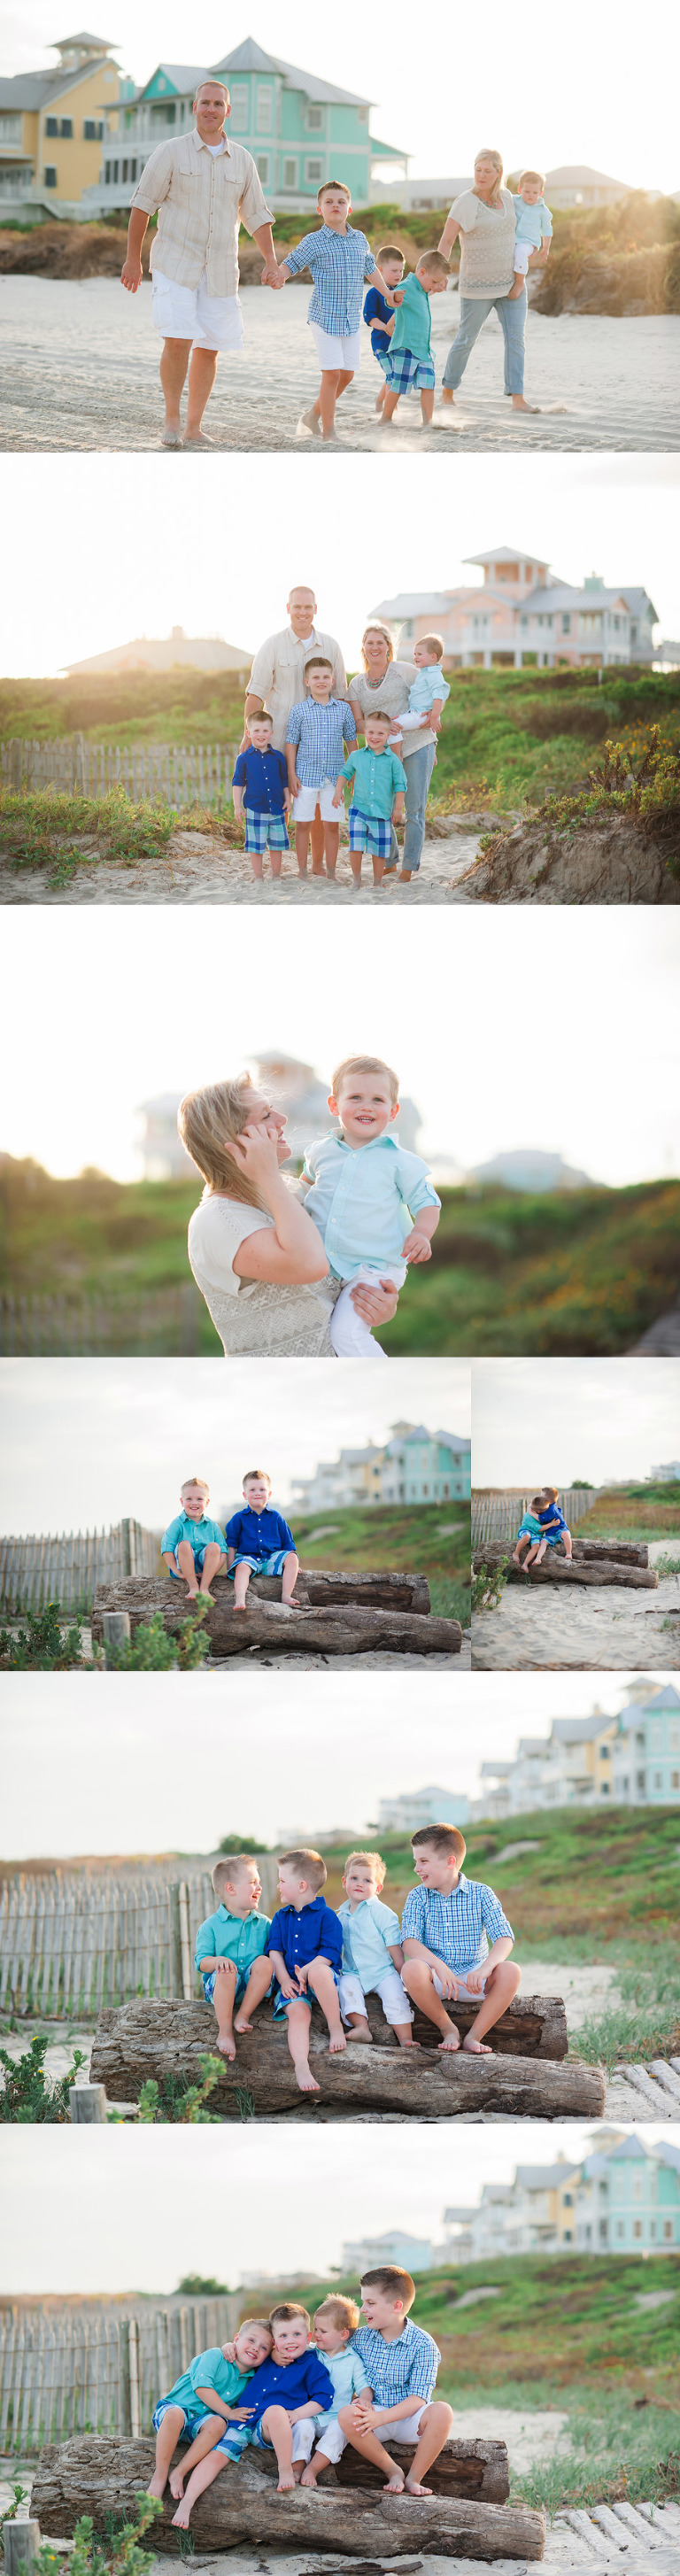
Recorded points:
(366, 1935)
(349, 2377)
(364, 1198)
(429, 684)
(377, 778)
(405, 2367)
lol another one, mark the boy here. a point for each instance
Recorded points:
(444, 1930)
(530, 1529)
(304, 1948)
(260, 786)
(378, 790)
(552, 1520)
(229, 1941)
(205, 2398)
(290, 2384)
(379, 315)
(371, 1951)
(428, 692)
(339, 259)
(258, 1541)
(533, 227)
(362, 1188)
(401, 2362)
(318, 728)
(193, 1545)
(334, 2327)
(409, 360)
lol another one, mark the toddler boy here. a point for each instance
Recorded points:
(378, 789)
(230, 1939)
(444, 1930)
(290, 2385)
(371, 1951)
(380, 315)
(533, 227)
(401, 2361)
(428, 691)
(318, 728)
(339, 258)
(259, 1541)
(193, 1547)
(334, 2326)
(261, 790)
(304, 1948)
(409, 361)
(531, 1535)
(362, 1188)
(204, 2399)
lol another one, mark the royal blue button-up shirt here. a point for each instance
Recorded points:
(290, 2385)
(313, 1932)
(258, 1533)
(264, 777)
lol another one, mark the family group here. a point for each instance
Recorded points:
(543, 1526)
(310, 2387)
(452, 1946)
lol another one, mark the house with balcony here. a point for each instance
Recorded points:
(646, 1751)
(413, 2253)
(570, 185)
(415, 1466)
(430, 1806)
(628, 2198)
(52, 125)
(300, 128)
(533, 2214)
(520, 613)
(572, 1766)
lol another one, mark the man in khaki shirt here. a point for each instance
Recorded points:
(277, 680)
(202, 187)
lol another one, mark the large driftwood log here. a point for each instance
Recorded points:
(562, 1569)
(143, 2039)
(474, 2469)
(348, 1625)
(98, 2476)
(592, 1551)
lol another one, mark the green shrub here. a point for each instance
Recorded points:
(177, 2100)
(118, 2554)
(154, 1650)
(40, 1647)
(27, 2095)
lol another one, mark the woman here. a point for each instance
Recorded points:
(256, 1255)
(386, 683)
(484, 217)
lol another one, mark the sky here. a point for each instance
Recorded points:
(597, 98)
(52, 1802)
(123, 1012)
(564, 1419)
(137, 2209)
(85, 1441)
(143, 568)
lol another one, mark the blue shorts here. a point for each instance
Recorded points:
(265, 832)
(237, 2437)
(199, 1562)
(282, 2003)
(554, 1537)
(191, 2424)
(405, 373)
(262, 1564)
(239, 1989)
(372, 832)
(383, 356)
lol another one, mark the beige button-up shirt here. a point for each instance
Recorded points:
(200, 201)
(278, 674)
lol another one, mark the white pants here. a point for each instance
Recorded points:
(336, 356)
(393, 1996)
(521, 256)
(331, 2440)
(351, 1338)
(188, 313)
(305, 805)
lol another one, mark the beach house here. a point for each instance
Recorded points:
(52, 125)
(520, 613)
(415, 1466)
(646, 1752)
(300, 129)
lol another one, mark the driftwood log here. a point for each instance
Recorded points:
(351, 1614)
(143, 2039)
(99, 2476)
(473, 2468)
(590, 1551)
(556, 1568)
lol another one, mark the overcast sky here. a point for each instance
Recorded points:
(560, 1419)
(122, 1011)
(595, 96)
(52, 1801)
(143, 568)
(140, 2211)
(87, 1440)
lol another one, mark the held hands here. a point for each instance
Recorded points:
(272, 275)
(417, 1247)
(131, 275)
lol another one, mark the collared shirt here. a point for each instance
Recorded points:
(377, 311)
(532, 223)
(258, 1533)
(349, 2380)
(208, 2370)
(200, 202)
(552, 1517)
(393, 694)
(339, 263)
(320, 732)
(290, 2384)
(413, 324)
(242, 1938)
(200, 1534)
(264, 777)
(428, 684)
(455, 1927)
(278, 673)
(378, 777)
(304, 1933)
(530, 1524)
(363, 1198)
(366, 1935)
(406, 2367)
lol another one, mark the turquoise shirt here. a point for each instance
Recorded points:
(199, 1534)
(378, 777)
(227, 1936)
(414, 320)
(364, 1199)
(209, 2370)
(366, 1935)
(348, 2376)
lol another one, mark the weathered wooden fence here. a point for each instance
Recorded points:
(167, 1323)
(73, 1942)
(166, 773)
(89, 2370)
(499, 1515)
(67, 1568)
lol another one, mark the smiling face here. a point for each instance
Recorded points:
(258, 1112)
(365, 1107)
(377, 732)
(260, 730)
(360, 1882)
(423, 656)
(319, 681)
(434, 1869)
(252, 2345)
(376, 653)
(256, 1492)
(379, 2309)
(293, 1890)
(329, 2337)
(242, 1893)
(291, 2338)
(212, 106)
(194, 1500)
(302, 611)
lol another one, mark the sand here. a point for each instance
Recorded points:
(569, 1630)
(81, 371)
(194, 868)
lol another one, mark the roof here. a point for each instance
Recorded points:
(83, 38)
(32, 89)
(577, 174)
(415, 603)
(505, 554)
(544, 2177)
(249, 57)
(181, 76)
(580, 1730)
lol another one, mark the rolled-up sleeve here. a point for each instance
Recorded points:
(205, 1943)
(349, 731)
(494, 1920)
(294, 726)
(415, 1184)
(154, 184)
(252, 207)
(262, 673)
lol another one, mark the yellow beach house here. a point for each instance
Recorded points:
(51, 128)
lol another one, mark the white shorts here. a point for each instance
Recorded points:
(187, 313)
(521, 256)
(406, 2429)
(351, 1338)
(393, 1996)
(305, 805)
(336, 355)
(331, 2440)
(464, 1995)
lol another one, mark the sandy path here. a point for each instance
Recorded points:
(197, 869)
(81, 358)
(573, 1631)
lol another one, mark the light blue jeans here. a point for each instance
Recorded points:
(418, 767)
(473, 312)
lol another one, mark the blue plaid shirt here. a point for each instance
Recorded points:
(407, 2367)
(455, 1927)
(339, 263)
(320, 733)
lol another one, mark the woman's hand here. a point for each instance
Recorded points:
(257, 1152)
(377, 1304)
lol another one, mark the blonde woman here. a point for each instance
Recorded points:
(256, 1255)
(386, 683)
(484, 218)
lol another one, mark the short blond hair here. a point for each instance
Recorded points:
(373, 1861)
(433, 644)
(537, 178)
(200, 1481)
(434, 262)
(288, 2309)
(257, 1475)
(225, 1874)
(487, 155)
(340, 2312)
(363, 1064)
(310, 1865)
(210, 1123)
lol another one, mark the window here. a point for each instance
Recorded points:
(263, 115)
(124, 171)
(50, 176)
(637, 2226)
(10, 129)
(675, 1779)
(66, 128)
(658, 1779)
(566, 625)
(290, 169)
(239, 110)
(362, 116)
(262, 166)
(668, 2228)
(51, 125)
(92, 133)
(314, 173)
(620, 2228)
(314, 120)
(113, 174)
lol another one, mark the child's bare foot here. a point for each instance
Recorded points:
(226, 2043)
(451, 2039)
(476, 2047)
(241, 2024)
(176, 2484)
(336, 2042)
(239, 1605)
(286, 2481)
(412, 2487)
(192, 1592)
(308, 2478)
(519, 404)
(306, 2080)
(158, 2484)
(206, 1596)
(446, 395)
(362, 2033)
(181, 2517)
(395, 2484)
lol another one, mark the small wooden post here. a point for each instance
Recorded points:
(133, 2353)
(88, 2102)
(21, 2542)
(176, 1977)
(116, 1626)
(187, 1986)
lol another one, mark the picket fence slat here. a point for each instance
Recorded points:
(69, 1945)
(497, 1516)
(79, 1326)
(63, 2372)
(163, 772)
(36, 1570)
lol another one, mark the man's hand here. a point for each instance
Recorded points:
(398, 298)
(131, 275)
(295, 787)
(272, 275)
(417, 1247)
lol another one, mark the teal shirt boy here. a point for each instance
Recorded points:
(201, 1534)
(209, 2370)
(229, 1936)
(378, 777)
(413, 325)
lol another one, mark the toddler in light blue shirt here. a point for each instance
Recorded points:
(533, 227)
(361, 1188)
(372, 1956)
(428, 692)
(333, 2330)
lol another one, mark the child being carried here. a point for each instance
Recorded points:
(362, 1187)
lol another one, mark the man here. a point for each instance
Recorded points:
(202, 186)
(277, 680)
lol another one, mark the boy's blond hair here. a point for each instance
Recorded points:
(210, 1123)
(445, 1839)
(390, 250)
(373, 1860)
(537, 178)
(433, 643)
(310, 1865)
(551, 1492)
(363, 1064)
(434, 262)
(339, 184)
(377, 715)
(285, 2312)
(254, 2321)
(257, 1476)
(225, 1874)
(340, 2312)
(318, 662)
(200, 1481)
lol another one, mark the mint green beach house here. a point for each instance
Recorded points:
(299, 128)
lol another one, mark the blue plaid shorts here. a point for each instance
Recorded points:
(261, 1564)
(370, 832)
(405, 372)
(237, 2437)
(192, 2423)
(282, 2003)
(265, 832)
(239, 1991)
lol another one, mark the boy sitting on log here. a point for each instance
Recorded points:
(444, 1930)
(552, 1520)
(317, 2445)
(205, 2399)
(372, 1956)
(193, 1546)
(260, 1542)
(229, 1941)
(401, 2363)
(291, 2385)
(304, 1948)
(532, 1536)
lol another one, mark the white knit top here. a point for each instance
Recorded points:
(487, 243)
(254, 1317)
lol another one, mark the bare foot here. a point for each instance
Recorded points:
(395, 2484)
(158, 2485)
(413, 2488)
(286, 2481)
(306, 2080)
(336, 2042)
(226, 2043)
(446, 395)
(192, 1592)
(176, 2484)
(407, 2042)
(451, 2039)
(181, 2517)
(290, 1600)
(206, 1596)
(363, 2035)
(519, 404)
(239, 1605)
(241, 2024)
(476, 2047)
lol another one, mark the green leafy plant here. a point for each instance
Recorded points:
(154, 1649)
(28, 2095)
(19, 2497)
(245, 2102)
(40, 1647)
(37, 825)
(176, 2100)
(116, 2553)
(646, 788)
(488, 1587)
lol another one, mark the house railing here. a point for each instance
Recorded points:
(87, 2369)
(164, 773)
(67, 1568)
(498, 1515)
(167, 1323)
